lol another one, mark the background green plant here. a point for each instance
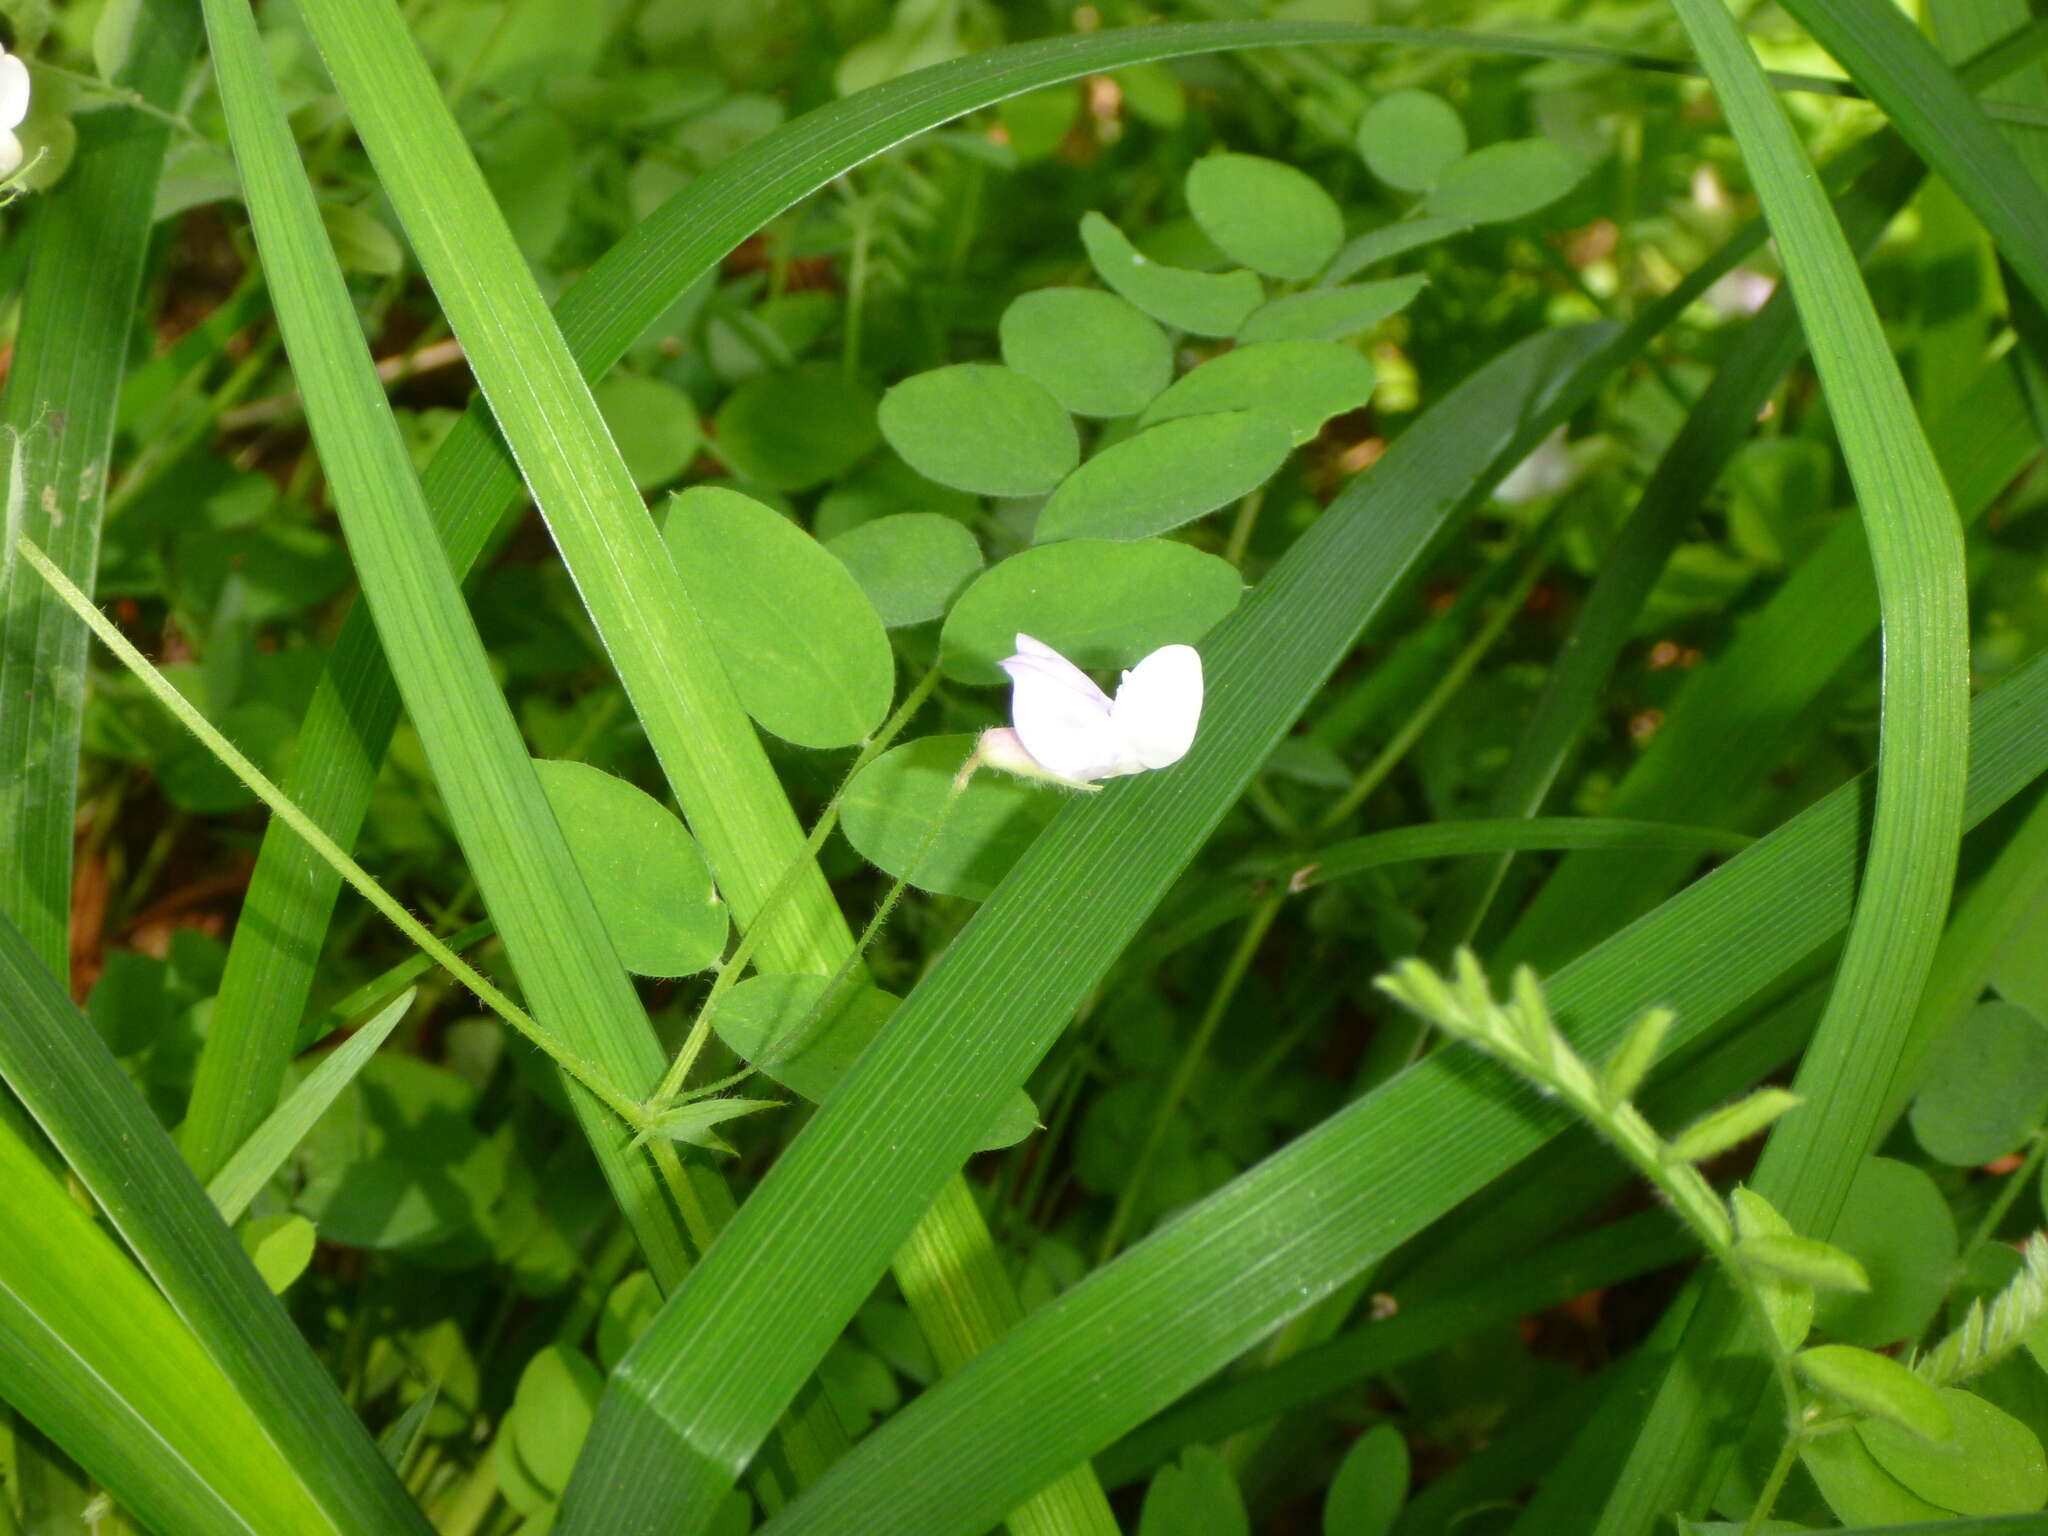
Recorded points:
(880, 332)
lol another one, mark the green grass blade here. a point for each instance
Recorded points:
(1445, 839)
(255, 1162)
(1191, 1297)
(1737, 717)
(87, 237)
(707, 745)
(1538, 1281)
(1916, 554)
(1899, 69)
(64, 1075)
(1963, 27)
(90, 1352)
(572, 981)
(689, 1404)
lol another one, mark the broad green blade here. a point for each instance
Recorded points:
(1184, 1303)
(1443, 839)
(90, 1352)
(1916, 554)
(708, 747)
(1547, 1278)
(87, 237)
(572, 981)
(689, 1404)
(1963, 28)
(1899, 69)
(257, 1160)
(60, 1069)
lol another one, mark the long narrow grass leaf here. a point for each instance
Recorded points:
(1423, 1325)
(1916, 554)
(92, 1355)
(257, 1160)
(62, 1072)
(87, 237)
(1440, 840)
(514, 845)
(1895, 64)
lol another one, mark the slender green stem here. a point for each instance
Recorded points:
(1690, 1197)
(1788, 1453)
(1241, 528)
(135, 101)
(2019, 1180)
(588, 1074)
(828, 998)
(669, 1163)
(1234, 972)
(1522, 1035)
(786, 883)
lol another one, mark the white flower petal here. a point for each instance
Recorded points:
(13, 95)
(1071, 730)
(1062, 718)
(1160, 704)
(10, 153)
